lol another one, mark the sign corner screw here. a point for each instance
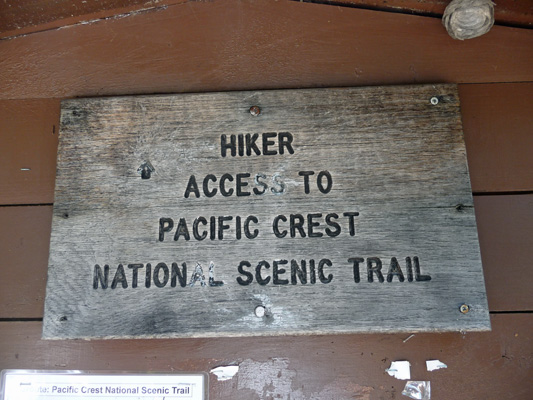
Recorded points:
(434, 100)
(464, 308)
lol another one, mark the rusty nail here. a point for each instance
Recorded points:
(255, 111)
(434, 101)
(464, 308)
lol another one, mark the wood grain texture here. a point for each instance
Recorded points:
(394, 159)
(498, 125)
(28, 131)
(24, 252)
(19, 17)
(495, 365)
(252, 46)
(505, 224)
(497, 128)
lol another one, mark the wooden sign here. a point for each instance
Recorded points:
(264, 213)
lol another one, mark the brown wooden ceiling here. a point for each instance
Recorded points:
(507, 12)
(26, 16)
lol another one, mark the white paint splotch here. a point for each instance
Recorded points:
(273, 379)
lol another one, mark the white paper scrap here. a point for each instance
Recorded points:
(432, 365)
(400, 369)
(225, 373)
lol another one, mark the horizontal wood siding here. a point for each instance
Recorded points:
(24, 242)
(505, 227)
(495, 365)
(511, 12)
(20, 17)
(498, 126)
(250, 46)
(29, 133)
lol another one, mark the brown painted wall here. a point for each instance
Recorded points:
(230, 45)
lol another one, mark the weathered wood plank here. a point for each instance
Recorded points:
(29, 130)
(495, 365)
(293, 45)
(31, 226)
(479, 139)
(385, 155)
(24, 250)
(498, 125)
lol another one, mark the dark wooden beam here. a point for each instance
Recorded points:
(26, 16)
(249, 46)
(506, 12)
(21, 17)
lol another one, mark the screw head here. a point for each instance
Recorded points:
(255, 111)
(464, 308)
(260, 311)
(434, 101)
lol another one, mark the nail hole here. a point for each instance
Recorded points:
(459, 207)
(65, 215)
(63, 319)
(260, 311)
